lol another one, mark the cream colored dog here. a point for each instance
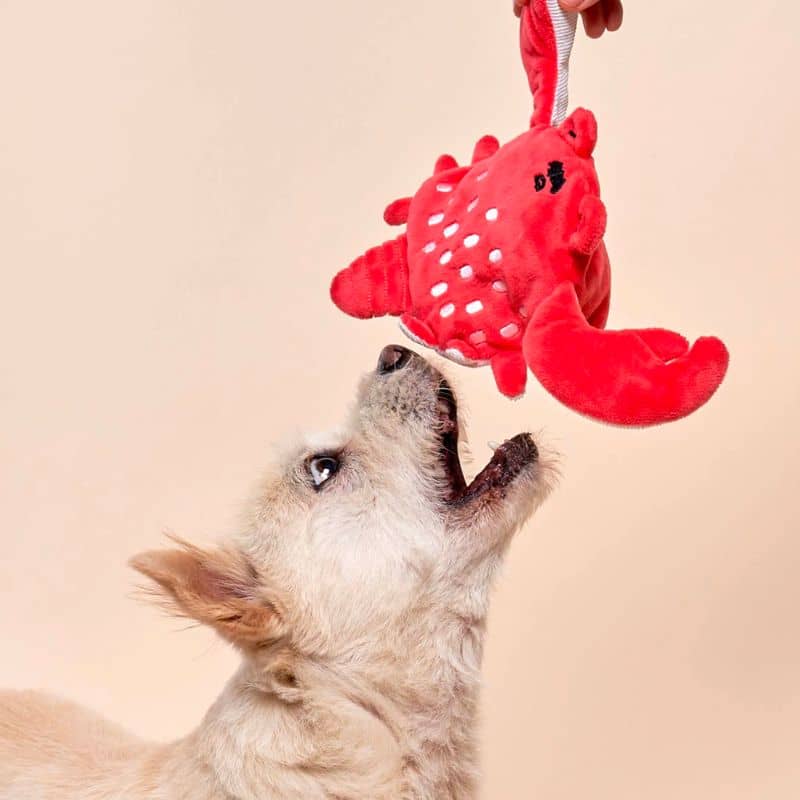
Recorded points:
(357, 596)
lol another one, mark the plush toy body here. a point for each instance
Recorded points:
(503, 263)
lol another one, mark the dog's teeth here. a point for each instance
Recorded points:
(494, 445)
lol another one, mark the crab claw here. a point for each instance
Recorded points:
(629, 377)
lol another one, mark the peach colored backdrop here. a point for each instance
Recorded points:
(178, 182)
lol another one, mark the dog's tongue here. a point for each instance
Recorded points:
(505, 464)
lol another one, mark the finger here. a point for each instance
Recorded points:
(614, 15)
(594, 21)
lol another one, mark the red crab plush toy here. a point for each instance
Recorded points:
(503, 263)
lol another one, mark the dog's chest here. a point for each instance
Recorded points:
(442, 709)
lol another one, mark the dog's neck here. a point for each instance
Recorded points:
(399, 724)
(436, 693)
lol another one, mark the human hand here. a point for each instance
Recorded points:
(598, 16)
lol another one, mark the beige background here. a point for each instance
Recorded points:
(179, 181)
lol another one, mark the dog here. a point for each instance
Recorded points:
(357, 594)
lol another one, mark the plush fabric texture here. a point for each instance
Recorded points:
(503, 263)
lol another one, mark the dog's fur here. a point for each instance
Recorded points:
(359, 608)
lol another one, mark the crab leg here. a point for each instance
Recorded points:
(396, 213)
(629, 377)
(485, 148)
(510, 373)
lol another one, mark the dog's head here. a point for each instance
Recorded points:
(365, 533)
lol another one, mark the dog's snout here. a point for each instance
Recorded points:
(392, 358)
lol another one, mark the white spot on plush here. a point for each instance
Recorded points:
(451, 230)
(447, 311)
(435, 219)
(523, 312)
(444, 187)
(466, 271)
(499, 286)
(439, 289)
(510, 330)
(474, 307)
(471, 240)
(445, 257)
(495, 256)
(454, 354)
(478, 337)
(492, 214)
(483, 175)
(473, 205)
(429, 248)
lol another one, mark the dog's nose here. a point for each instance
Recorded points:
(392, 358)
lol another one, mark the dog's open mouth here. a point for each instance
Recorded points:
(509, 459)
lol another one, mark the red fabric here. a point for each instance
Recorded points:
(540, 58)
(503, 263)
(376, 283)
(634, 377)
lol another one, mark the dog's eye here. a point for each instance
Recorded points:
(322, 469)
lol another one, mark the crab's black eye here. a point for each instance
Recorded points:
(539, 182)
(322, 468)
(555, 171)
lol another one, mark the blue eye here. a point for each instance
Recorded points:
(322, 469)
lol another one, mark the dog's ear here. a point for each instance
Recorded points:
(218, 587)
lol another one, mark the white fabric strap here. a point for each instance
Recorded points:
(564, 26)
